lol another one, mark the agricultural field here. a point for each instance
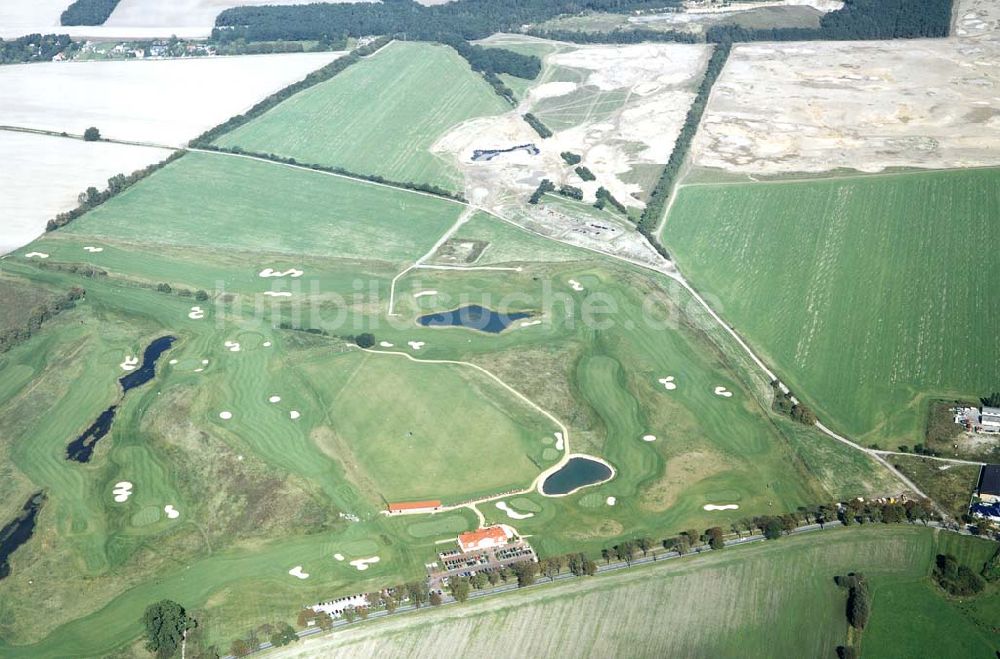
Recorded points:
(808, 107)
(951, 485)
(19, 18)
(188, 14)
(44, 175)
(379, 117)
(698, 606)
(181, 98)
(864, 299)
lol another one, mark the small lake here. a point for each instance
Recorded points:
(147, 371)
(19, 531)
(484, 155)
(575, 474)
(81, 448)
(473, 317)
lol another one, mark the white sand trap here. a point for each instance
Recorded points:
(196, 313)
(559, 441)
(270, 272)
(204, 362)
(513, 514)
(649, 438)
(339, 557)
(130, 363)
(277, 294)
(172, 362)
(93, 250)
(297, 572)
(416, 345)
(668, 383)
(198, 370)
(122, 491)
(722, 391)
(530, 323)
(424, 293)
(36, 255)
(728, 506)
(267, 344)
(232, 345)
(274, 399)
(575, 285)
(172, 512)
(385, 344)
(294, 414)
(363, 563)
(225, 416)
(611, 501)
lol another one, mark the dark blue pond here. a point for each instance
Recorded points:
(147, 370)
(575, 474)
(82, 448)
(473, 317)
(17, 532)
(483, 155)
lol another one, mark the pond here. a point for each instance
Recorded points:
(81, 448)
(147, 371)
(484, 155)
(474, 317)
(19, 531)
(576, 473)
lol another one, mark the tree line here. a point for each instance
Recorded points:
(117, 184)
(40, 314)
(543, 131)
(616, 36)
(36, 48)
(856, 20)
(88, 12)
(466, 19)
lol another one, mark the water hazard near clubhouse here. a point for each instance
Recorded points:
(576, 473)
(474, 317)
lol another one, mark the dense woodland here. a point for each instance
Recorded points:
(35, 48)
(37, 317)
(88, 12)
(466, 19)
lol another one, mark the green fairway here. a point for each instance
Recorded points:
(705, 606)
(869, 294)
(225, 203)
(380, 116)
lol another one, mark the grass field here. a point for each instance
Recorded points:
(380, 116)
(705, 606)
(864, 293)
(224, 203)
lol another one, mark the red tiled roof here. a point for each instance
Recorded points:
(413, 505)
(473, 538)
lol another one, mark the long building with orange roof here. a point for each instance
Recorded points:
(414, 506)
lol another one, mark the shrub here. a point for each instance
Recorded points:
(91, 134)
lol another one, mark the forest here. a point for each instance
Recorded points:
(35, 48)
(88, 12)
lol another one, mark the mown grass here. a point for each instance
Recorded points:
(863, 292)
(381, 116)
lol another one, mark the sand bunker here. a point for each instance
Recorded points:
(130, 363)
(225, 416)
(424, 294)
(649, 438)
(294, 414)
(93, 250)
(722, 391)
(36, 255)
(363, 563)
(530, 323)
(611, 501)
(198, 370)
(267, 344)
(172, 362)
(728, 506)
(172, 512)
(274, 399)
(122, 491)
(297, 572)
(339, 557)
(385, 344)
(513, 514)
(270, 272)
(277, 294)
(559, 441)
(196, 313)
(232, 345)
(416, 345)
(668, 383)
(575, 285)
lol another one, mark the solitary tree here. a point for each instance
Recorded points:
(716, 539)
(366, 340)
(283, 635)
(459, 588)
(166, 622)
(91, 134)
(435, 598)
(349, 614)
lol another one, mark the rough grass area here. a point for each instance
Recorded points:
(864, 293)
(951, 485)
(18, 299)
(229, 203)
(378, 117)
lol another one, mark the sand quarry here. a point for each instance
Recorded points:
(658, 82)
(43, 176)
(868, 106)
(181, 98)
(976, 17)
